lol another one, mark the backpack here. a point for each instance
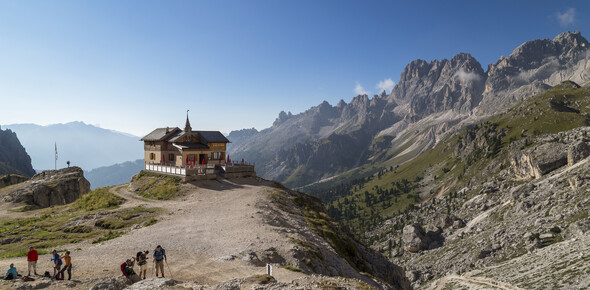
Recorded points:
(138, 255)
(123, 269)
(46, 274)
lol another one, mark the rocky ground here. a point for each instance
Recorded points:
(219, 234)
(526, 227)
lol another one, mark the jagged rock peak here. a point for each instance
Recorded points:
(568, 38)
(282, 118)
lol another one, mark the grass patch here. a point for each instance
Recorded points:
(156, 186)
(100, 198)
(292, 269)
(108, 236)
(150, 222)
(47, 229)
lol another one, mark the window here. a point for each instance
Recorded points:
(171, 157)
(152, 156)
(217, 155)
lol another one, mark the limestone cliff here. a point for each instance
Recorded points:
(13, 157)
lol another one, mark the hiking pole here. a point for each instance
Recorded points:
(153, 266)
(171, 277)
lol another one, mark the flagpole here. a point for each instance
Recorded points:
(55, 165)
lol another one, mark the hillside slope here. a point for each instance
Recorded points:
(220, 231)
(487, 202)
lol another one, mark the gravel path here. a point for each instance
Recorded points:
(200, 232)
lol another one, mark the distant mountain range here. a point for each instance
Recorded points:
(13, 157)
(113, 175)
(431, 100)
(82, 144)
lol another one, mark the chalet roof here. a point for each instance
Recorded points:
(213, 136)
(160, 134)
(173, 134)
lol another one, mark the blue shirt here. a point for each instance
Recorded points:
(56, 258)
(158, 256)
(13, 271)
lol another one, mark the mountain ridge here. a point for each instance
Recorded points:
(430, 100)
(82, 144)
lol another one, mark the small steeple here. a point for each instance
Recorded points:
(187, 126)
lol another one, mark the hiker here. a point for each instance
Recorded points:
(68, 265)
(159, 258)
(11, 273)
(127, 268)
(32, 257)
(142, 262)
(56, 264)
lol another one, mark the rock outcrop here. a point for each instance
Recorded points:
(414, 239)
(11, 179)
(13, 157)
(49, 188)
(540, 160)
(577, 152)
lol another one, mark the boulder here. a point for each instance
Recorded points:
(414, 239)
(577, 152)
(539, 160)
(458, 223)
(49, 188)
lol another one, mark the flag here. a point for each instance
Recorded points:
(163, 159)
(186, 163)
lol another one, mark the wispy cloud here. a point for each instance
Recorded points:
(566, 18)
(359, 90)
(386, 85)
(467, 76)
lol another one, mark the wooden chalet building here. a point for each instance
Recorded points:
(190, 153)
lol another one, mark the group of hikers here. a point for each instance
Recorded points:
(63, 263)
(141, 260)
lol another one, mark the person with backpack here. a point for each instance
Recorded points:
(128, 272)
(32, 257)
(142, 262)
(11, 273)
(159, 258)
(56, 265)
(68, 265)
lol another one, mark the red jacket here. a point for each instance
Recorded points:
(32, 256)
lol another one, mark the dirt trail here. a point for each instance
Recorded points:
(200, 232)
(471, 283)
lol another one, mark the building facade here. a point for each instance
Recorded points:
(184, 148)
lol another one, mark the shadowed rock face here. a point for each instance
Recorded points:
(49, 188)
(13, 157)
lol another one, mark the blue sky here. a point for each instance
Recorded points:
(133, 66)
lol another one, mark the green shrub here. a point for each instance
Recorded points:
(150, 222)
